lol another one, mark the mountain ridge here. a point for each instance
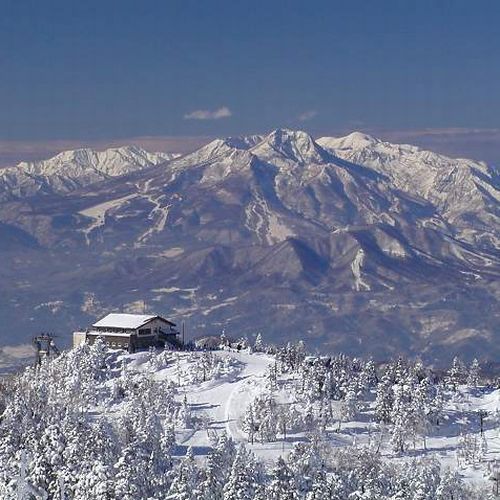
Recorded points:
(72, 169)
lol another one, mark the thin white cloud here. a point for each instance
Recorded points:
(307, 115)
(205, 114)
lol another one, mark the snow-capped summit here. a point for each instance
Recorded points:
(289, 145)
(218, 148)
(294, 145)
(72, 169)
(355, 140)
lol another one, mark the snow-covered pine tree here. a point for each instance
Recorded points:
(368, 376)
(400, 419)
(320, 487)
(384, 400)
(185, 480)
(474, 374)
(456, 375)
(451, 487)
(184, 414)
(419, 411)
(282, 485)
(258, 345)
(243, 478)
(96, 482)
(349, 406)
(129, 479)
(305, 462)
(212, 484)
(249, 423)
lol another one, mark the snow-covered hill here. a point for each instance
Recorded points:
(74, 169)
(352, 244)
(235, 424)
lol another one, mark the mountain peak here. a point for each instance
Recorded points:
(295, 145)
(218, 148)
(354, 140)
(286, 135)
(360, 139)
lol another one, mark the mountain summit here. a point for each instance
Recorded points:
(293, 145)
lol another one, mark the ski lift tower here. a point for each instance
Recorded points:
(45, 346)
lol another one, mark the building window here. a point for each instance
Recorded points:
(145, 331)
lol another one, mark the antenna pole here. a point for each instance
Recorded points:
(44, 346)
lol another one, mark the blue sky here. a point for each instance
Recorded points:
(109, 70)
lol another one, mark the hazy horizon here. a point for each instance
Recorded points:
(478, 144)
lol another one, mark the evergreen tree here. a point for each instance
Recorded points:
(129, 480)
(320, 487)
(282, 485)
(243, 478)
(451, 487)
(473, 376)
(258, 344)
(456, 374)
(349, 407)
(399, 417)
(249, 423)
(384, 399)
(185, 480)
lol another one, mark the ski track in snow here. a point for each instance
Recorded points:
(356, 266)
(252, 212)
(159, 214)
(229, 398)
(266, 224)
(98, 213)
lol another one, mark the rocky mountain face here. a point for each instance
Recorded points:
(351, 244)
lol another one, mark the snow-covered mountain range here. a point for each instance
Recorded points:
(74, 169)
(351, 243)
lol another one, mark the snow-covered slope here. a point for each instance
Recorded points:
(235, 424)
(74, 169)
(219, 148)
(466, 192)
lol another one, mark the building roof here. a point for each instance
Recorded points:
(132, 321)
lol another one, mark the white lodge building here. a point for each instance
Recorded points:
(131, 332)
